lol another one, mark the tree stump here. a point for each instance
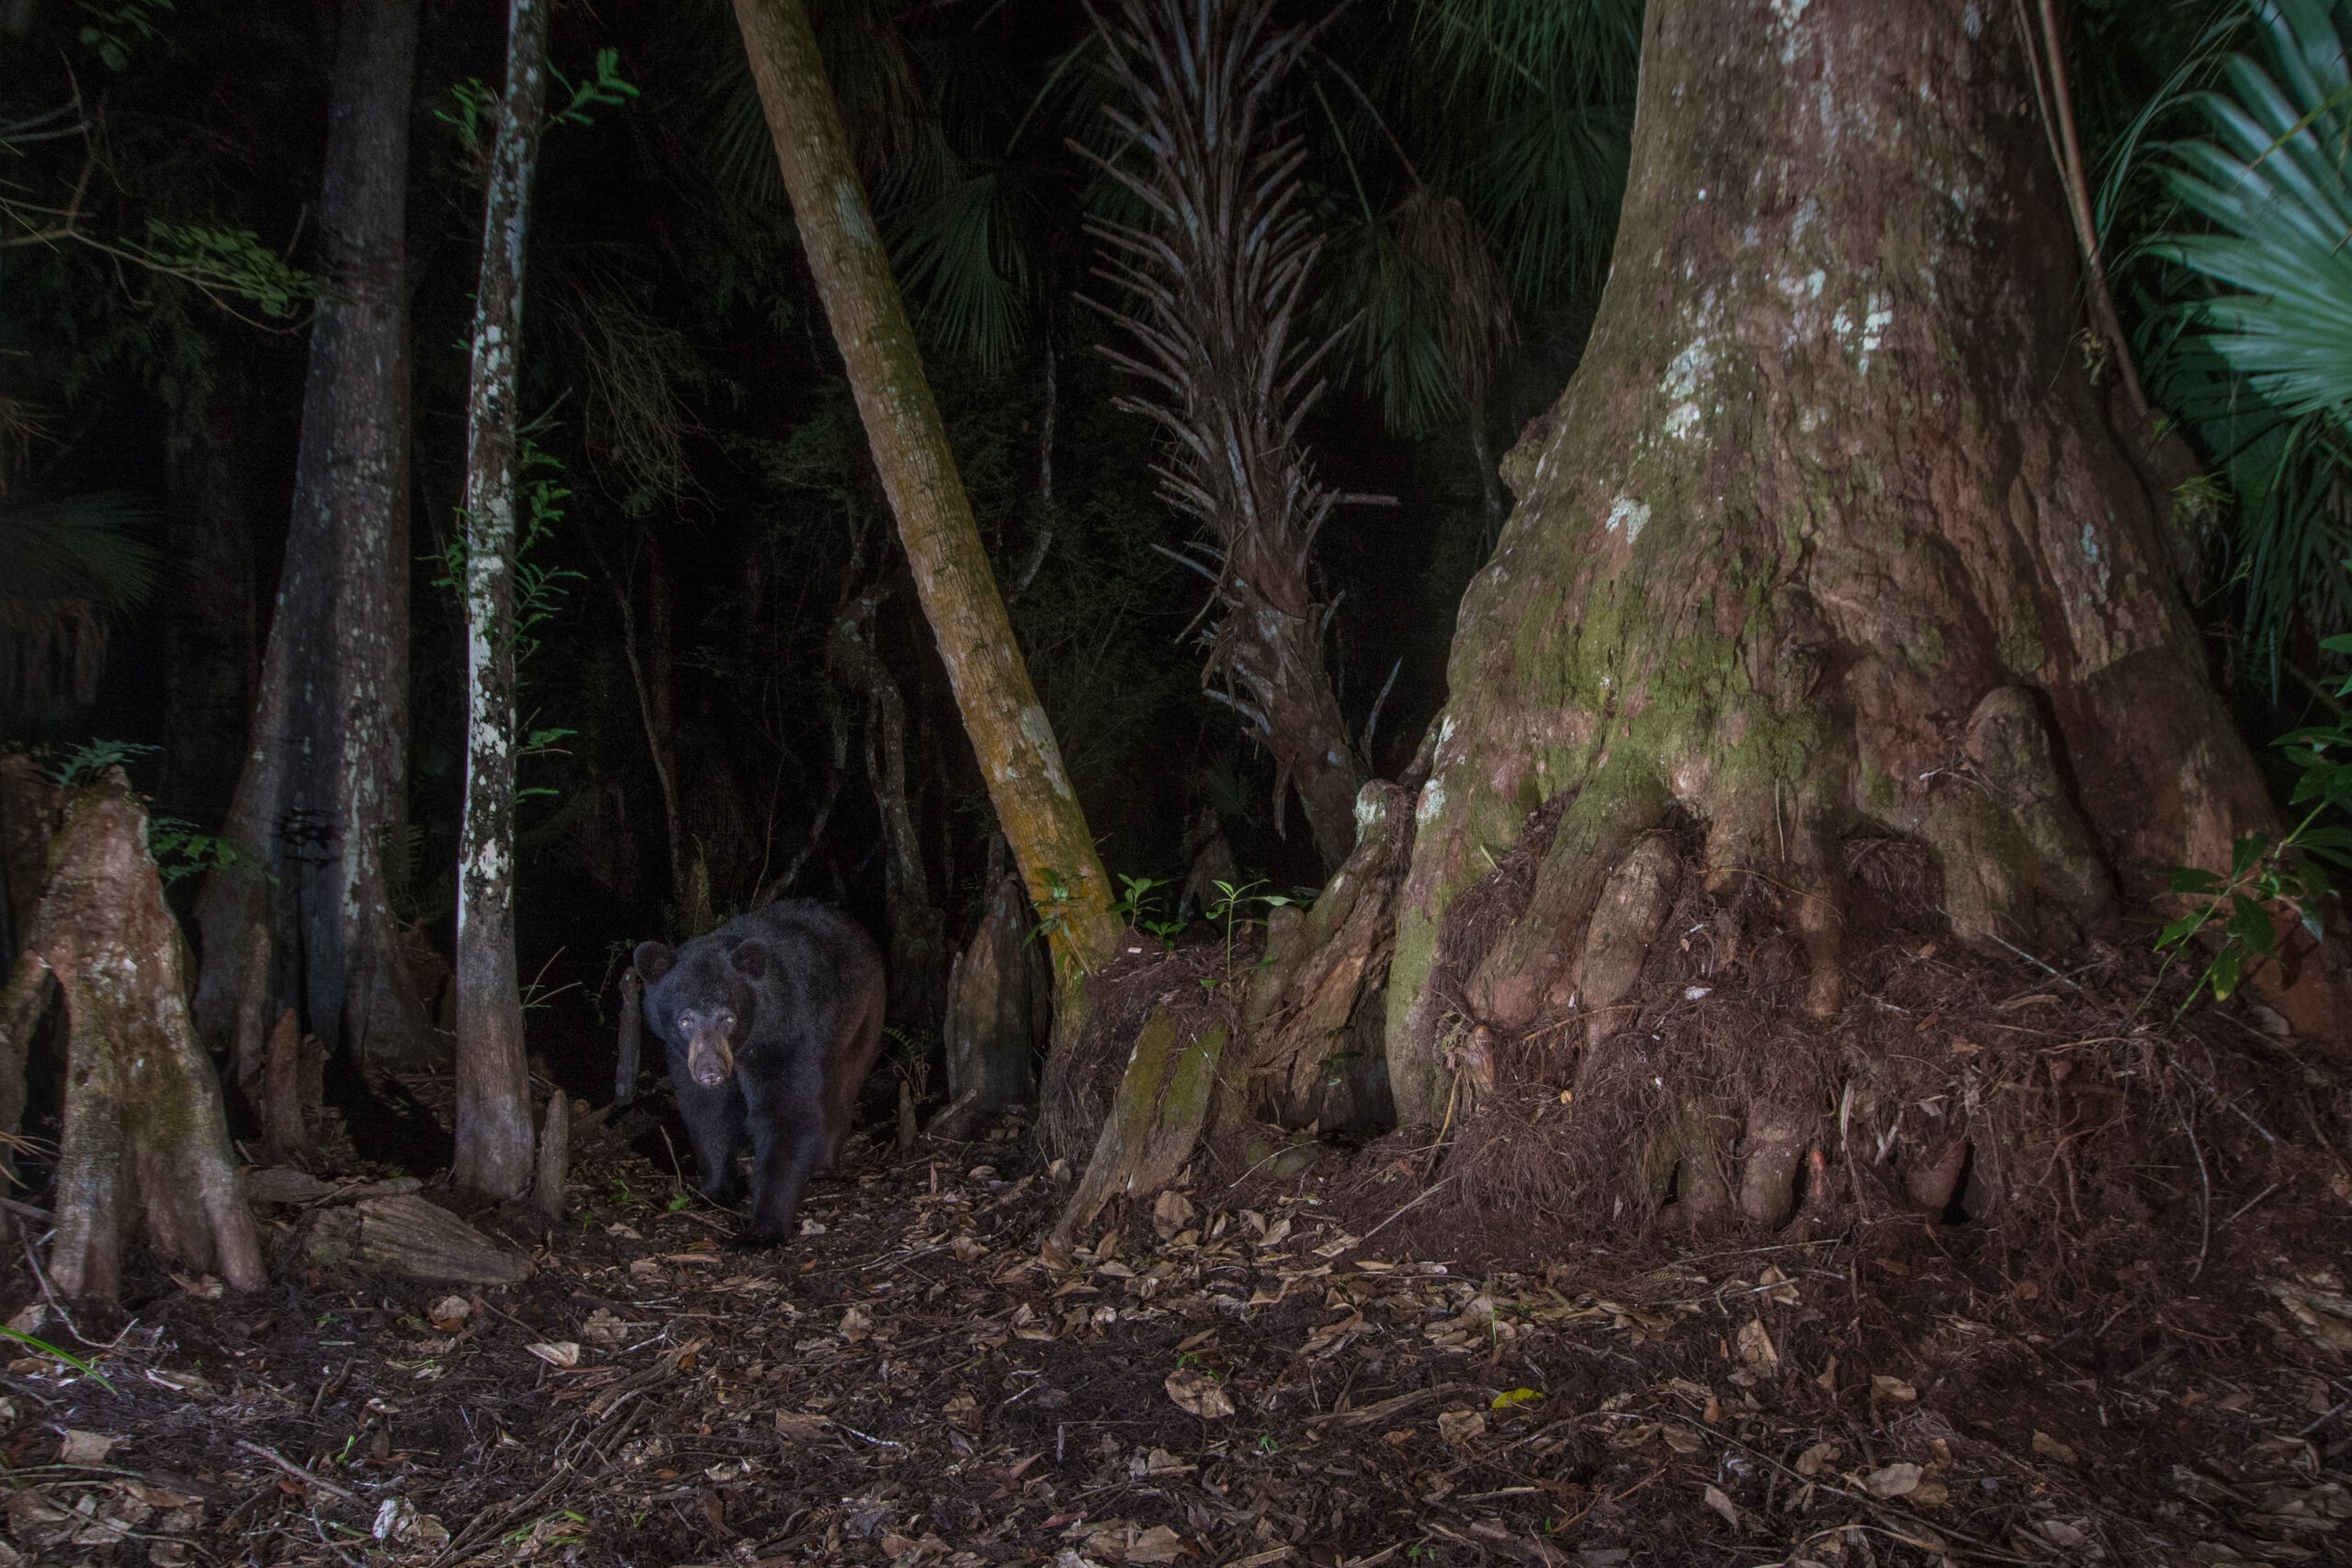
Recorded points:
(145, 1140)
(1000, 1006)
(1163, 1102)
(287, 1104)
(554, 1159)
(632, 1031)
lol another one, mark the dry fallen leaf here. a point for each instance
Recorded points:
(1158, 1544)
(604, 1327)
(84, 1448)
(1894, 1481)
(1724, 1505)
(2050, 1446)
(1170, 1213)
(800, 1428)
(1198, 1393)
(1816, 1458)
(1756, 1347)
(560, 1353)
(1461, 1425)
(1885, 1387)
(966, 1248)
(855, 1324)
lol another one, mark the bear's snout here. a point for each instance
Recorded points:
(709, 1060)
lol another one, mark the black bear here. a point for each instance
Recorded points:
(771, 1020)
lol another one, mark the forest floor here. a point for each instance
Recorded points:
(1244, 1378)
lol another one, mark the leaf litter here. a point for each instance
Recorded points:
(1221, 1377)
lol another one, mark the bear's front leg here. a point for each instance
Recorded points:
(715, 1120)
(784, 1149)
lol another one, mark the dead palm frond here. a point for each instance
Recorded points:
(1213, 279)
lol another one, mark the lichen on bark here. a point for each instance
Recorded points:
(1830, 533)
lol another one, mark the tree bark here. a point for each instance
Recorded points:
(632, 1032)
(325, 768)
(1827, 535)
(918, 929)
(145, 1140)
(494, 1091)
(997, 1019)
(1007, 728)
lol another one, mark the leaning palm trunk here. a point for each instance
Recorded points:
(494, 1108)
(1217, 278)
(322, 779)
(1017, 753)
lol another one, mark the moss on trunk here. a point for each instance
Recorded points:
(1829, 533)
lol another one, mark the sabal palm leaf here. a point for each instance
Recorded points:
(74, 563)
(2274, 181)
(2260, 367)
(967, 252)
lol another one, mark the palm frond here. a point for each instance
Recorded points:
(1489, 44)
(76, 564)
(2273, 183)
(2260, 363)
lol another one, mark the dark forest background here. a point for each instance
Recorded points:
(712, 509)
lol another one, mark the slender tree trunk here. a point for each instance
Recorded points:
(1827, 536)
(1007, 728)
(494, 1108)
(208, 615)
(145, 1141)
(919, 955)
(325, 768)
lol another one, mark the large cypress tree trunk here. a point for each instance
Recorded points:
(1828, 534)
(494, 1108)
(1018, 756)
(324, 771)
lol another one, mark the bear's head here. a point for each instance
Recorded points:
(702, 999)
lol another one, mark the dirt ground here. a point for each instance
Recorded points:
(1288, 1370)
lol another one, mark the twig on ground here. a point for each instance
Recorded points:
(299, 1473)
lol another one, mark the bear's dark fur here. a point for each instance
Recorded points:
(771, 1021)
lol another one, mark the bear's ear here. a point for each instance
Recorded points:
(653, 960)
(750, 959)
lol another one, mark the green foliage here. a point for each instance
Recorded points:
(540, 588)
(2258, 361)
(1136, 906)
(226, 263)
(477, 110)
(113, 29)
(43, 1347)
(1226, 910)
(182, 851)
(2290, 873)
(82, 764)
